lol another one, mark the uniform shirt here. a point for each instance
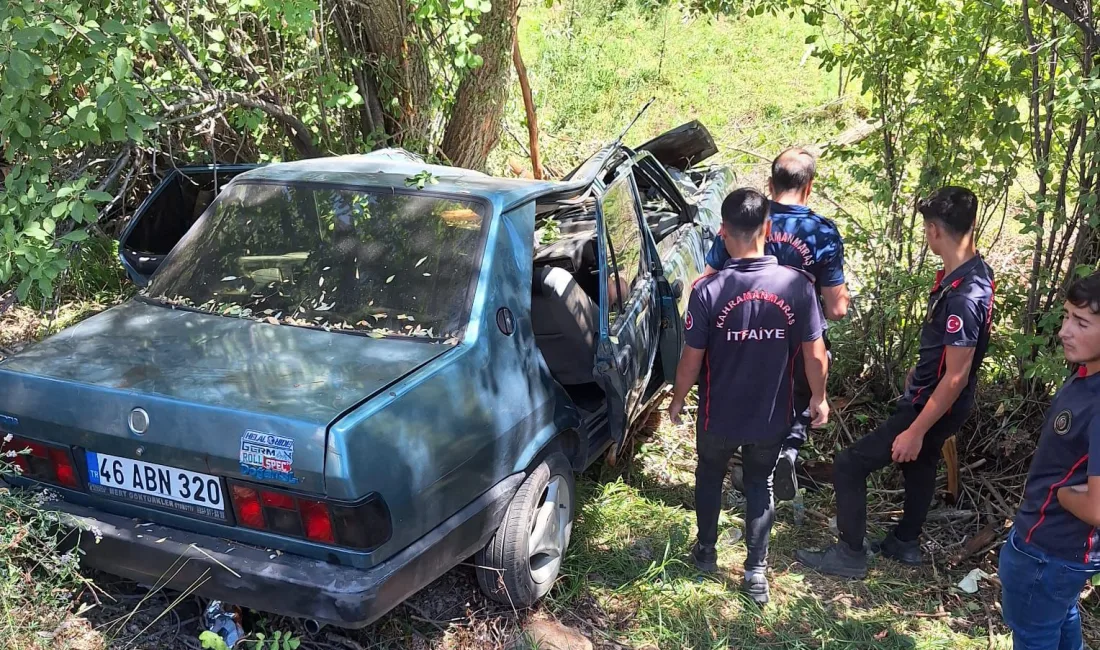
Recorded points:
(800, 239)
(751, 318)
(1068, 454)
(960, 314)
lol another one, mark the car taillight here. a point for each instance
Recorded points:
(42, 462)
(363, 526)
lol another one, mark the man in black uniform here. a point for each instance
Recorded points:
(937, 400)
(744, 328)
(801, 239)
(1054, 549)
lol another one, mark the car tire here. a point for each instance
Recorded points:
(522, 560)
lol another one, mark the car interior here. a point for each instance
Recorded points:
(565, 291)
(183, 197)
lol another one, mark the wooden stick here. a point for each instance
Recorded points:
(528, 105)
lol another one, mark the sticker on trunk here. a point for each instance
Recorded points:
(267, 457)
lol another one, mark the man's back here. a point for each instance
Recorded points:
(801, 239)
(751, 318)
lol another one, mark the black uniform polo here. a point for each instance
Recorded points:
(1068, 453)
(751, 318)
(960, 314)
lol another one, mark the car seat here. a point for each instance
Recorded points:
(566, 322)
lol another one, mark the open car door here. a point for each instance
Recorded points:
(630, 316)
(168, 213)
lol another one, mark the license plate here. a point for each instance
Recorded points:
(156, 485)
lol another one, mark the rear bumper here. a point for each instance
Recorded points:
(289, 585)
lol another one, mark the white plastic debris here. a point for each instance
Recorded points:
(969, 584)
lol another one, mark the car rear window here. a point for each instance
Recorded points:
(383, 263)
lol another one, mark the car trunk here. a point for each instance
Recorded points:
(213, 388)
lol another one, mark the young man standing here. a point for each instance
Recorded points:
(744, 327)
(937, 400)
(1054, 549)
(800, 239)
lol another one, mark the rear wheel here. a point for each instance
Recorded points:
(523, 559)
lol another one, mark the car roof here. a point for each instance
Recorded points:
(390, 168)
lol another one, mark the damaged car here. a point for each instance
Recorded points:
(345, 376)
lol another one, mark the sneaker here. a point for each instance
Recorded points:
(838, 560)
(705, 557)
(784, 479)
(755, 587)
(897, 550)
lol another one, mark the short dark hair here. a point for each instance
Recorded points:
(956, 208)
(1085, 293)
(793, 169)
(744, 212)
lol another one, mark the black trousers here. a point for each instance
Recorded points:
(873, 452)
(758, 463)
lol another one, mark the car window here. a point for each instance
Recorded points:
(623, 243)
(384, 263)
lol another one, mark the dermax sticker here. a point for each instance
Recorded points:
(267, 457)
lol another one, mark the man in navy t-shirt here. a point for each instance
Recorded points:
(937, 400)
(1054, 548)
(745, 326)
(800, 239)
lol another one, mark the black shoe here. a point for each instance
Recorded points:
(755, 587)
(705, 557)
(784, 480)
(897, 550)
(838, 560)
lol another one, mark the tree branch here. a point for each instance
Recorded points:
(303, 139)
(1070, 11)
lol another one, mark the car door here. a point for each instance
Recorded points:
(166, 215)
(630, 315)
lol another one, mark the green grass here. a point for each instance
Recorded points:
(627, 561)
(593, 65)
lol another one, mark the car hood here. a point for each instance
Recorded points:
(279, 370)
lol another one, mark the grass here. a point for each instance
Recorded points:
(593, 65)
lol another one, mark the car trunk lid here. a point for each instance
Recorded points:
(212, 387)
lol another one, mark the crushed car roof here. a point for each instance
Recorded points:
(392, 168)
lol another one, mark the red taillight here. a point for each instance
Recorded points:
(317, 521)
(278, 500)
(42, 462)
(247, 504)
(63, 469)
(285, 514)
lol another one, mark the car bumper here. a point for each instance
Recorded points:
(290, 585)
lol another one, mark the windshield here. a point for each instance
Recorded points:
(376, 262)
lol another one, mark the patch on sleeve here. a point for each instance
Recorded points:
(268, 457)
(1062, 422)
(688, 321)
(954, 324)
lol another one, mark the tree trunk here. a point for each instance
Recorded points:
(403, 62)
(474, 126)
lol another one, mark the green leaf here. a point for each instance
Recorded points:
(23, 289)
(158, 28)
(112, 26)
(115, 111)
(75, 236)
(59, 209)
(97, 196)
(20, 64)
(214, 67)
(217, 34)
